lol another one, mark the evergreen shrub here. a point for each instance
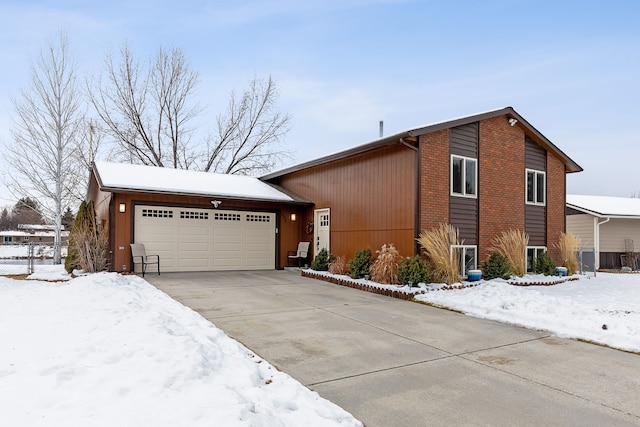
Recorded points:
(321, 261)
(497, 266)
(544, 265)
(413, 270)
(360, 266)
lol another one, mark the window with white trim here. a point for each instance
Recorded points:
(467, 257)
(464, 176)
(536, 187)
(532, 253)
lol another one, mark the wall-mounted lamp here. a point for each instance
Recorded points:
(293, 217)
(216, 203)
(122, 208)
(513, 121)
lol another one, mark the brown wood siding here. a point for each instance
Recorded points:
(535, 155)
(372, 198)
(464, 140)
(464, 216)
(463, 211)
(535, 216)
(535, 225)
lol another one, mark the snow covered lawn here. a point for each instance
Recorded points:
(604, 309)
(112, 350)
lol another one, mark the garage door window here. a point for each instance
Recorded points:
(194, 215)
(226, 217)
(157, 213)
(258, 218)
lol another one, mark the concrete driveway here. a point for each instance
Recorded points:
(398, 363)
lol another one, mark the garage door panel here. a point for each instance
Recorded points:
(206, 239)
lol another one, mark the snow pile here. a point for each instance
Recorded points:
(604, 309)
(107, 350)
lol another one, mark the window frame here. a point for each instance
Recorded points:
(536, 173)
(464, 177)
(461, 263)
(536, 253)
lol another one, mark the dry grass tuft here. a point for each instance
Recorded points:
(512, 245)
(568, 245)
(338, 266)
(437, 244)
(385, 267)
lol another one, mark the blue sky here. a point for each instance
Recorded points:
(571, 68)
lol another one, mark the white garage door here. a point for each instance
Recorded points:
(190, 239)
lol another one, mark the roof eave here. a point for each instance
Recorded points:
(186, 194)
(601, 214)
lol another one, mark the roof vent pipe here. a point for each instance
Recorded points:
(381, 128)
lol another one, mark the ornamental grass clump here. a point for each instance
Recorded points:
(568, 245)
(385, 268)
(437, 244)
(338, 266)
(512, 245)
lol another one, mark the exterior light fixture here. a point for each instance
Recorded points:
(216, 203)
(122, 208)
(513, 121)
(293, 217)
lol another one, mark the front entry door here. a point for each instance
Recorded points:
(321, 233)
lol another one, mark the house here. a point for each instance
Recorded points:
(32, 233)
(484, 174)
(610, 225)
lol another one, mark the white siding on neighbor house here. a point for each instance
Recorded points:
(582, 226)
(614, 233)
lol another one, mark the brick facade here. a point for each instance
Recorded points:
(501, 181)
(556, 201)
(434, 179)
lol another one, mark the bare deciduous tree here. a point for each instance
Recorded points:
(148, 111)
(45, 131)
(248, 132)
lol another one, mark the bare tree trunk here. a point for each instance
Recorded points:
(45, 133)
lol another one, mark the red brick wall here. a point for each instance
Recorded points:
(501, 181)
(556, 199)
(434, 180)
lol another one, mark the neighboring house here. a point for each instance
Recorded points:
(31, 233)
(611, 225)
(484, 174)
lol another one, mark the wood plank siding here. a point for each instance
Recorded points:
(372, 198)
(463, 211)
(535, 157)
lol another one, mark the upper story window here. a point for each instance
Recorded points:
(536, 187)
(464, 176)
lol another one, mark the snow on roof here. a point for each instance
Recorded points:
(119, 176)
(605, 205)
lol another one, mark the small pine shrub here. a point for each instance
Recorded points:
(497, 266)
(385, 268)
(360, 266)
(321, 261)
(413, 270)
(544, 265)
(338, 266)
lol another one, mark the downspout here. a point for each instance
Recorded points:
(417, 175)
(596, 239)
